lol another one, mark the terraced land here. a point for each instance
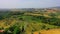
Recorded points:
(30, 22)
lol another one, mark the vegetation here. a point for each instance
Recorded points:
(26, 21)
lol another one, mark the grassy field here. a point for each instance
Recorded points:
(30, 22)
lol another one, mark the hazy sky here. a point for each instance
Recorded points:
(28, 3)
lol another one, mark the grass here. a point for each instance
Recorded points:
(27, 23)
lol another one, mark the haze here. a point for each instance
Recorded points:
(28, 3)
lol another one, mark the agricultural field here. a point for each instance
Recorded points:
(30, 21)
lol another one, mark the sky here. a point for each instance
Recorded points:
(29, 3)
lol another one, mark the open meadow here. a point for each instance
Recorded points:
(30, 21)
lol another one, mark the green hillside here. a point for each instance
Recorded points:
(23, 22)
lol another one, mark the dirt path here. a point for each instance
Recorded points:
(52, 31)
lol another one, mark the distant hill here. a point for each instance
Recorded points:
(58, 7)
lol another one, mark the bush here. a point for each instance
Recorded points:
(1, 18)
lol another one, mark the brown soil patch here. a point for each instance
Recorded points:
(52, 31)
